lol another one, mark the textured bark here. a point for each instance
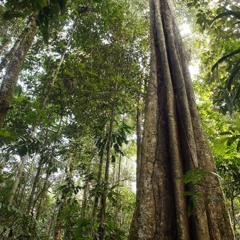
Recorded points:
(139, 137)
(13, 62)
(173, 144)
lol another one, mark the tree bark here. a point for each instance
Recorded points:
(173, 144)
(41, 196)
(24, 159)
(35, 182)
(139, 137)
(13, 63)
(103, 205)
(60, 228)
(99, 181)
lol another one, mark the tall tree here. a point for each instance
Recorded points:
(39, 14)
(171, 203)
(14, 60)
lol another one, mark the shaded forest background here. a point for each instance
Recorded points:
(69, 141)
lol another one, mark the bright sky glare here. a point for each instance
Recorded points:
(185, 29)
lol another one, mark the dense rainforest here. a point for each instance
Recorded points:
(119, 120)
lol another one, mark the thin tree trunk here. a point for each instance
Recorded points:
(106, 180)
(20, 196)
(85, 200)
(174, 144)
(2, 48)
(17, 179)
(35, 182)
(139, 138)
(46, 185)
(119, 169)
(13, 62)
(59, 225)
(118, 210)
(233, 214)
(58, 232)
(99, 180)
(49, 231)
(113, 177)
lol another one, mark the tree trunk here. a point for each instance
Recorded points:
(106, 181)
(85, 201)
(173, 144)
(20, 196)
(118, 208)
(139, 137)
(41, 196)
(99, 181)
(13, 62)
(35, 182)
(24, 159)
(49, 231)
(59, 228)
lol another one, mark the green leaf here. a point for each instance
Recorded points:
(238, 146)
(226, 14)
(234, 73)
(113, 159)
(232, 140)
(8, 15)
(40, 4)
(62, 4)
(17, 91)
(194, 176)
(4, 134)
(222, 59)
(225, 133)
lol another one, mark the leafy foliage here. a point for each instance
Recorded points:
(221, 60)
(59, 119)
